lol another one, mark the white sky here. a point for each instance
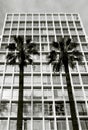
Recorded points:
(66, 6)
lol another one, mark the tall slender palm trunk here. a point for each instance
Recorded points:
(71, 98)
(20, 98)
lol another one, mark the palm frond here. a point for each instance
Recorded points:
(52, 56)
(68, 42)
(11, 47)
(11, 58)
(55, 45)
(72, 45)
(28, 40)
(57, 66)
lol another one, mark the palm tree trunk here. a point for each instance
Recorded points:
(71, 98)
(20, 98)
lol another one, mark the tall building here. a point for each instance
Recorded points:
(46, 104)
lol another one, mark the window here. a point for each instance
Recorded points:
(65, 94)
(42, 23)
(45, 68)
(62, 17)
(8, 24)
(49, 17)
(22, 24)
(58, 94)
(16, 79)
(26, 124)
(75, 17)
(28, 31)
(35, 16)
(50, 24)
(58, 31)
(27, 68)
(13, 124)
(27, 79)
(1, 79)
(29, 16)
(27, 94)
(65, 31)
(48, 109)
(69, 17)
(21, 31)
(37, 93)
(4, 109)
(36, 79)
(85, 47)
(43, 39)
(50, 31)
(13, 109)
(70, 125)
(15, 94)
(3, 124)
(57, 24)
(2, 57)
(14, 31)
(42, 16)
(1, 67)
(63, 24)
(70, 24)
(15, 17)
(26, 109)
(22, 17)
(47, 93)
(67, 108)
(73, 31)
(8, 80)
(6, 94)
(55, 17)
(43, 31)
(82, 38)
(80, 31)
(29, 24)
(86, 92)
(84, 124)
(15, 24)
(5, 38)
(74, 38)
(82, 68)
(37, 109)
(44, 57)
(49, 125)
(78, 93)
(86, 56)
(36, 31)
(75, 79)
(81, 108)
(77, 23)
(36, 38)
(56, 79)
(59, 108)
(37, 125)
(61, 125)
(44, 47)
(36, 68)
(51, 38)
(84, 79)
(7, 31)
(46, 79)
(35, 24)
(64, 79)
(9, 17)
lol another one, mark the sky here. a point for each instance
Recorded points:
(45, 6)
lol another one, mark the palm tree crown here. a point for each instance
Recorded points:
(63, 50)
(21, 52)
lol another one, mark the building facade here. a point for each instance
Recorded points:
(46, 104)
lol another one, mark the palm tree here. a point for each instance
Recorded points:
(21, 53)
(65, 53)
